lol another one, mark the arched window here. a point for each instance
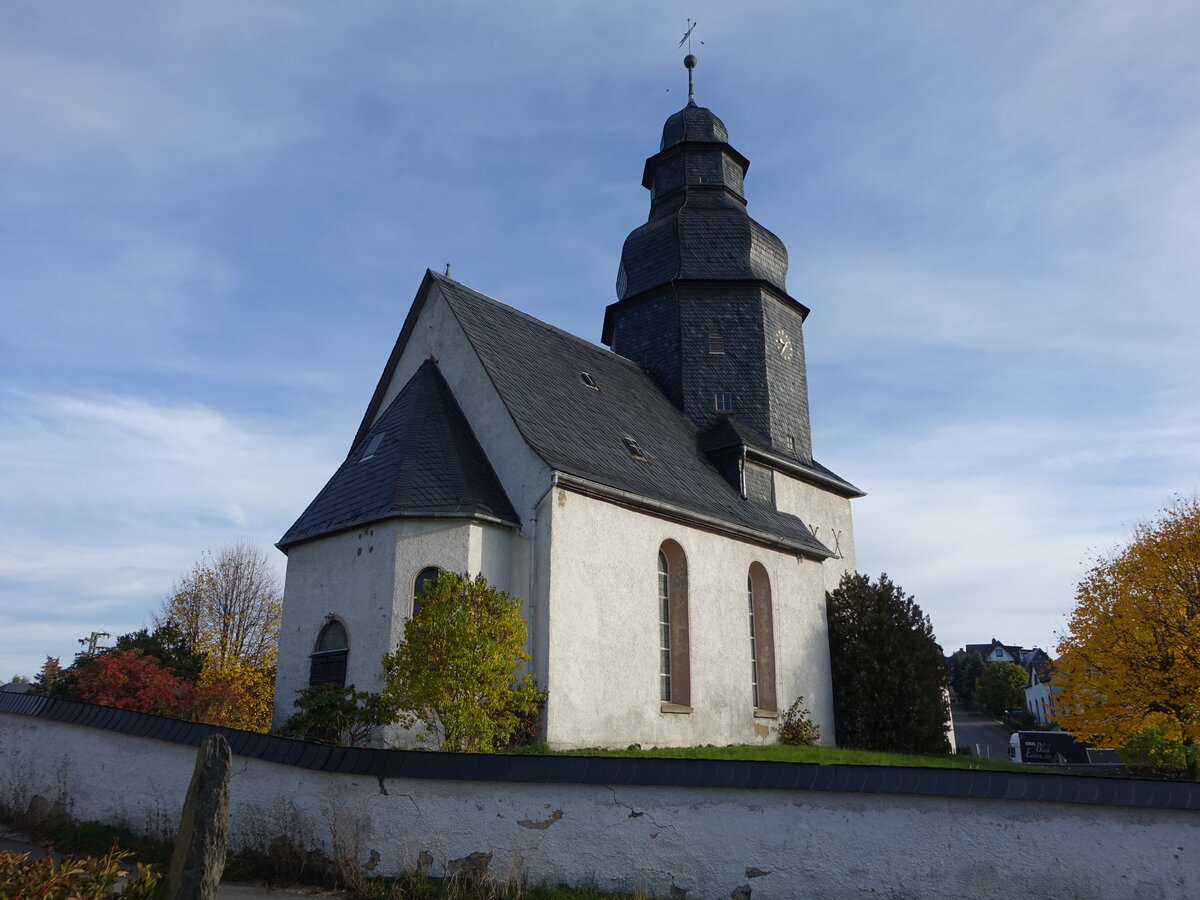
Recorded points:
(762, 638)
(424, 578)
(674, 670)
(327, 665)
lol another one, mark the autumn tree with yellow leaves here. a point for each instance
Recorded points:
(228, 608)
(1129, 662)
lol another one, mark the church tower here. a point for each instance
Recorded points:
(702, 298)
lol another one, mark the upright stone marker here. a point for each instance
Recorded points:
(199, 856)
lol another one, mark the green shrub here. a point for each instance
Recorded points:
(796, 727)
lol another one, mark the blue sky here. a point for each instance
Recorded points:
(215, 215)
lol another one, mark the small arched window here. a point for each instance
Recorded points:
(424, 578)
(674, 675)
(327, 665)
(762, 638)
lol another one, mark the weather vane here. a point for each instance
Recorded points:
(689, 61)
(687, 35)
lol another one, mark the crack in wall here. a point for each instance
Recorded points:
(637, 814)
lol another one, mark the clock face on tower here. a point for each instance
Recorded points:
(785, 343)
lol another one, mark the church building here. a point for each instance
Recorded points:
(655, 505)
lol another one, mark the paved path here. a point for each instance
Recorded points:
(984, 736)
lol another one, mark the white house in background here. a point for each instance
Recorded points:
(656, 505)
(1039, 694)
(998, 652)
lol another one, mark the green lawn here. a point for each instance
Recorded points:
(827, 756)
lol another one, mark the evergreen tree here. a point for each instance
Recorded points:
(888, 671)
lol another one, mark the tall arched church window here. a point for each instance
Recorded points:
(674, 675)
(424, 578)
(327, 665)
(762, 638)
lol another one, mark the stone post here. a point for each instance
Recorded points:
(199, 856)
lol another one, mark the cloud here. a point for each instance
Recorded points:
(108, 499)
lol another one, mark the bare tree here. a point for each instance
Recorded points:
(228, 606)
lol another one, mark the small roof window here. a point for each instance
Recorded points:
(634, 449)
(373, 446)
(587, 379)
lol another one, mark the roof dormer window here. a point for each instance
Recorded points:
(634, 449)
(373, 446)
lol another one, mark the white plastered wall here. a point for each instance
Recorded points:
(709, 842)
(604, 652)
(827, 514)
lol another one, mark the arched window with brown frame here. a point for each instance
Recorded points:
(674, 676)
(762, 638)
(327, 664)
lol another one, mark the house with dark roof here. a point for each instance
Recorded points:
(655, 502)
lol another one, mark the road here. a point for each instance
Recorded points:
(985, 738)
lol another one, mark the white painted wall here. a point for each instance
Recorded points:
(365, 578)
(603, 642)
(1039, 700)
(709, 842)
(829, 517)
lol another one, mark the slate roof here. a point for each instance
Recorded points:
(582, 431)
(698, 227)
(693, 123)
(731, 433)
(701, 243)
(426, 463)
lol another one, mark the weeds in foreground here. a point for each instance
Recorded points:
(78, 877)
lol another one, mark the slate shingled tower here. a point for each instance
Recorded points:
(702, 298)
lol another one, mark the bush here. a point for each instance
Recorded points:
(457, 671)
(77, 877)
(796, 727)
(336, 714)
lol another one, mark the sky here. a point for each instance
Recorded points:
(214, 217)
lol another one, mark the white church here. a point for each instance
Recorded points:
(656, 504)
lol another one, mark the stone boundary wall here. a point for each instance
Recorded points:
(670, 828)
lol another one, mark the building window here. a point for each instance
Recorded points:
(722, 402)
(791, 443)
(674, 668)
(999, 652)
(664, 628)
(635, 449)
(753, 641)
(762, 638)
(327, 665)
(716, 343)
(373, 446)
(424, 578)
